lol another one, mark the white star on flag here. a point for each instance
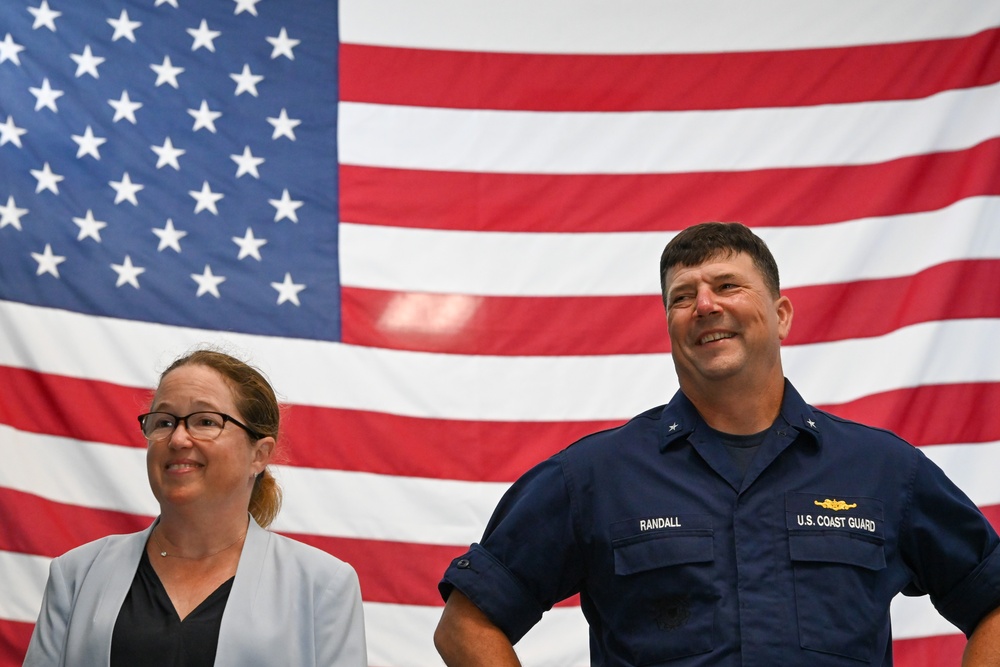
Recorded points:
(47, 261)
(285, 207)
(206, 198)
(88, 143)
(9, 50)
(208, 282)
(124, 108)
(169, 236)
(47, 180)
(44, 16)
(86, 63)
(166, 73)
(124, 27)
(283, 45)
(11, 214)
(126, 189)
(172, 3)
(249, 245)
(128, 273)
(203, 37)
(284, 126)
(89, 227)
(204, 117)
(287, 290)
(246, 6)
(247, 163)
(246, 81)
(11, 133)
(167, 154)
(46, 96)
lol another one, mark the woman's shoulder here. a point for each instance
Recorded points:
(85, 555)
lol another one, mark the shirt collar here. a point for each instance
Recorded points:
(680, 418)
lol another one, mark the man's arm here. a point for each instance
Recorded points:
(983, 649)
(465, 637)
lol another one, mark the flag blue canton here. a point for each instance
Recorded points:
(172, 162)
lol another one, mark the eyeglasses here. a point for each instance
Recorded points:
(199, 425)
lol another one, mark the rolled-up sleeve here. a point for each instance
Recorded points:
(952, 549)
(529, 556)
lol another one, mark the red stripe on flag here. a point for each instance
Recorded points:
(936, 651)
(516, 326)
(14, 638)
(992, 513)
(501, 451)
(931, 414)
(551, 82)
(66, 526)
(496, 451)
(868, 308)
(658, 202)
(529, 326)
(488, 451)
(70, 407)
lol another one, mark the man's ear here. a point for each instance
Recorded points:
(783, 306)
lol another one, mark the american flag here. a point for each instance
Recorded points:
(435, 225)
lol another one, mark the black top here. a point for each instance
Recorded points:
(743, 448)
(148, 631)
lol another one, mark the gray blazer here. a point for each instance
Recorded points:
(290, 604)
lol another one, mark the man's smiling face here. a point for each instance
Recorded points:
(724, 322)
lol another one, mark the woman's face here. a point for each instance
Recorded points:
(210, 475)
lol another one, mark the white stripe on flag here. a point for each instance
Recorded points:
(613, 264)
(654, 26)
(577, 142)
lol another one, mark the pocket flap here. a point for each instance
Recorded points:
(664, 551)
(832, 547)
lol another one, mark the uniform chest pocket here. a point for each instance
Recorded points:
(666, 599)
(837, 562)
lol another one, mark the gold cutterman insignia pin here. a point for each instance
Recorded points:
(835, 505)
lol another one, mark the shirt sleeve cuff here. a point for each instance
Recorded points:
(975, 596)
(494, 589)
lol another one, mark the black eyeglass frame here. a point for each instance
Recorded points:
(178, 419)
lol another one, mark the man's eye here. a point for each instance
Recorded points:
(163, 422)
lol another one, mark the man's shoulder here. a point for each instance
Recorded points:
(645, 426)
(842, 431)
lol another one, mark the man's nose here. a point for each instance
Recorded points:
(706, 303)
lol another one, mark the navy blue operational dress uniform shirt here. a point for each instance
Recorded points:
(682, 558)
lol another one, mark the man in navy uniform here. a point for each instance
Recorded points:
(735, 526)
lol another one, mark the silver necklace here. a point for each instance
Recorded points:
(164, 554)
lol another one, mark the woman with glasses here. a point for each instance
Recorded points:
(206, 583)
